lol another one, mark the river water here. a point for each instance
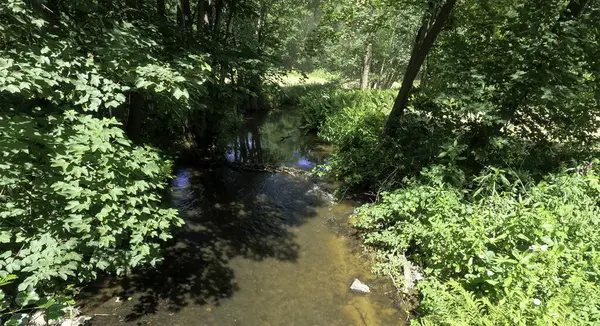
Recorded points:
(257, 248)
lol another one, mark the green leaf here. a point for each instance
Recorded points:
(25, 298)
(5, 237)
(18, 319)
(12, 88)
(8, 279)
(179, 93)
(55, 312)
(45, 303)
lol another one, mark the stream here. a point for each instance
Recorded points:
(256, 249)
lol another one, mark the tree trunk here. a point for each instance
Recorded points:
(216, 27)
(184, 14)
(161, 10)
(262, 24)
(428, 35)
(229, 26)
(364, 80)
(380, 78)
(201, 17)
(134, 118)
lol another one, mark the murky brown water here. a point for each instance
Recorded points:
(257, 249)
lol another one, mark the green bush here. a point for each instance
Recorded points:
(505, 252)
(76, 198)
(320, 103)
(353, 122)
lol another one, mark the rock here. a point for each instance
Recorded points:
(412, 274)
(37, 319)
(359, 286)
(77, 321)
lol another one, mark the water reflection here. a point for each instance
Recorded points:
(255, 248)
(182, 179)
(275, 138)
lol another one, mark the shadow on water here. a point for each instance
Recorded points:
(227, 214)
(255, 248)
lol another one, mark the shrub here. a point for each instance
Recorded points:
(505, 252)
(320, 103)
(76, 198)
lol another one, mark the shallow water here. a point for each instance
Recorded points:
(257, 248)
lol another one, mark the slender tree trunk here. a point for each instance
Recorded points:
(201, 17)
(262, 24)
(380, 78)
(218, 12)
(364, 80)
(244, 147)
(228, 27)
(184, 15)
(419, 53)
(161, 10)
(231, 13)
(134, 118)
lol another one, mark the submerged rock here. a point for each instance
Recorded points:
(359, 286)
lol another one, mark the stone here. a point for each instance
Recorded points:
(412, 274)
(359, 286)
(77, 321)
(37, 319)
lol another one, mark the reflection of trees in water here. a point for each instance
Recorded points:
(274, 139)
(248, 147)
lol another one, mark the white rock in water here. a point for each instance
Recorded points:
(359, 286)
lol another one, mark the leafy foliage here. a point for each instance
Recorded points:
(503, 253)
(77, 197)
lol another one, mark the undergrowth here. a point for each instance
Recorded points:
(501, 252)
(505, 233)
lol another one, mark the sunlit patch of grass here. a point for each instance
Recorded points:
(319, 76)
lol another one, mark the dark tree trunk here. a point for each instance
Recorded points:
(218, 11)
(161, 10)
(364, 80)
(201, 17)
(426, 37)
(231, 13)
(244, 147)
(134, 119)
(184, 14)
